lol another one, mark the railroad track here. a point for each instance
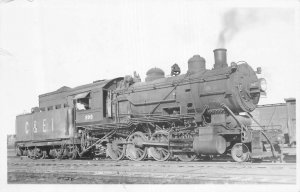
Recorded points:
(170, 172)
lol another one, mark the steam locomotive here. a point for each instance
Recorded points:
(198, 114)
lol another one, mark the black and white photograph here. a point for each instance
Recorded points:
(149, 95)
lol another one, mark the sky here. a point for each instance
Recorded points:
(45, 45)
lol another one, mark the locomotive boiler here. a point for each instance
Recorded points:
(198, 114)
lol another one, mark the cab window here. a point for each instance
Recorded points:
(82, 101)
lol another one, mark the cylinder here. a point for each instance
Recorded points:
(209, 144)
(220, 58)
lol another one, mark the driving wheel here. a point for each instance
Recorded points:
(135, 149)
(160, 153)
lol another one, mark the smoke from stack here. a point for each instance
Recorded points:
(239, 19)
(234, 20)
(229, 28)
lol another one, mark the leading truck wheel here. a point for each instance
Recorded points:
(135, 149)
(240, 152)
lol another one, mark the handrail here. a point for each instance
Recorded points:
(249, 115)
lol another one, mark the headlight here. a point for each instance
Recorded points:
(263, 84)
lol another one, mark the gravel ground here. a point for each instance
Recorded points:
(44, 178)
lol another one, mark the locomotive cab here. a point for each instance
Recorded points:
(93, 102)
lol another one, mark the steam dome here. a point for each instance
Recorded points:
(154, 73)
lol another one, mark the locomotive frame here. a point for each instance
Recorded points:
(183, 116)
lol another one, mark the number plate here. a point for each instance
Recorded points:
(89, 117)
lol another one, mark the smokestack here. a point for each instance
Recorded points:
(220, 58)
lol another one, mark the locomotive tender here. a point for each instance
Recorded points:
(183, 116)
